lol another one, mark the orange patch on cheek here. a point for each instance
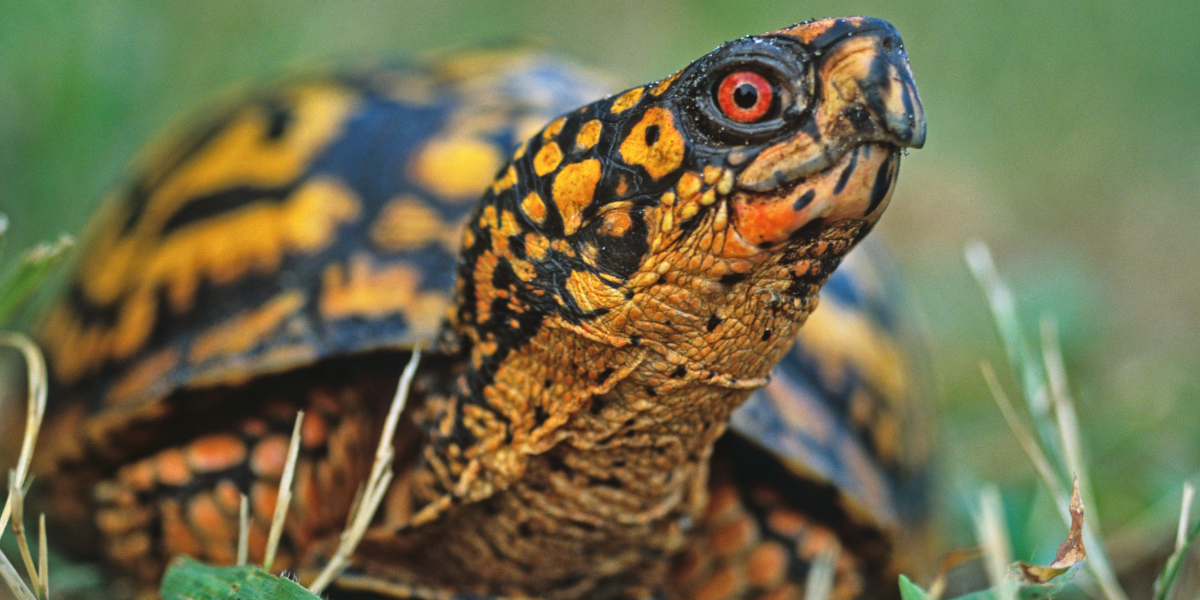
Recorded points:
(654, 143)
(765, 222)
(573, 190)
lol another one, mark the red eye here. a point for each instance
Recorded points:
(744, 96)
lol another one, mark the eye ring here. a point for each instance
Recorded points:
(745, 96)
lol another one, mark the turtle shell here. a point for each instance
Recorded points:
(322, 219)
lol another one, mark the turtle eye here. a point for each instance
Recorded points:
(745, 96)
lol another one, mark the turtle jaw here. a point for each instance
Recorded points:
(843, 163)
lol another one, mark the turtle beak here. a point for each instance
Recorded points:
(842, 165)
(864, 69)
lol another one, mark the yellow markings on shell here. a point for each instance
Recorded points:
(573, 190)
(372, 290)
(665, 154)
(220, 250)
(591, 293)
(246, 330)
(505, 181)
(253, 239)
(547, 159)
(846, 339)
(149, 378)
(589, 134)
(240, 154)
(534, 207)
(626, 100)
(408, 223)
(456, 168)
(552, 130)
(664, 84)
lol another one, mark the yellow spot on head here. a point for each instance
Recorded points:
(664, 84)
(505, 181)
(573, 190)
(589, 134)
(626, 100)
(666, 152)
(547, 158)
(456, 168)
(553, 128)
(534, 208)
(615, 223)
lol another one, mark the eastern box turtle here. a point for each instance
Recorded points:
(634, 271)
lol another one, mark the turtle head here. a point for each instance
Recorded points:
(748, 174)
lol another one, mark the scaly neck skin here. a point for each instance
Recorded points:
(609, 426)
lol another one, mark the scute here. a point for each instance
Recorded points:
(267, 240)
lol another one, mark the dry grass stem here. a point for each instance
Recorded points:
(9, 574)
(1024, 437)
(370, 497)
(43, 556)
(243, 547)
(819, 583)
(35, 410)
(1185, 512)
(16, 496)
(992, 532)
(285, 495)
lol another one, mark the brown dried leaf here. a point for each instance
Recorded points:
(1070, 553)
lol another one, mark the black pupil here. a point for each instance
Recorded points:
(745, 95)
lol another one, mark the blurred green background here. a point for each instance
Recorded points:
(1063, 134)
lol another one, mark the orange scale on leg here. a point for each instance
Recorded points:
(786, 592)
(725, 584)
(228, 497)
(210, 522)
(314, 431)
(215, 452)
(735, 537)
(262, 501)
(172, 467)
(269, 456)
(767, 565)
(139, 476)
(178, 538)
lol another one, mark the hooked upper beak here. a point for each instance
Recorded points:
(863, 66)
(864, 92)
